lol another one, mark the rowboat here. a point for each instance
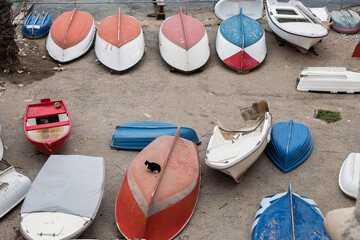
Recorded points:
(288, 216)
(234, 151)
(160, 190)
(71, 35)
(36, 25)
(322, 13)
(64, 198)
(47, 125)
(328, 79)
(294, 23)
(345, 21)
(183, 43)
(225, 9)
(240, 43)
(291, 144)
(349, 175)
(137, 135)
(119, 42)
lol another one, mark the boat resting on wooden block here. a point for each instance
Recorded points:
(240, 43)
(184, 43)
(137, 135)
(345, 21)
(160, 190)
(328, 79)
(294, 23)
(288, 216)
(234, 151)
(349, 175)
(47, 125)
(225, 9)
(64, 198)
(36, 25)
(119, 42)
(291, 144)
(71, 35)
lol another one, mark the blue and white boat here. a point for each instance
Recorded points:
(291, 144)
(137, 135)
(288, 216)
(240, 42)
(36, 25)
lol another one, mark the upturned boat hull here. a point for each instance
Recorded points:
(36, 25)
(349, 175)
(345, 21)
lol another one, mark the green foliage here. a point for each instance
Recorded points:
(327, 116)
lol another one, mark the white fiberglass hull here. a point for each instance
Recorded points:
(123, 58)
(69, 54)
(52, 225)
(234, 157)
(225, 9)
(182, 59)
(349, 175)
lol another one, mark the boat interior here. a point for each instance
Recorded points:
(284, 13)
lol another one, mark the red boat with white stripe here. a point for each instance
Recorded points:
(184, 43)
(158, 205)
(119, 42)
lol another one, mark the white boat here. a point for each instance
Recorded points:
(328, 79)
(322, 13)
(119, 42)
(225, 9)
(349, 175)
(234, 151)
(64, 198)
(294, 23)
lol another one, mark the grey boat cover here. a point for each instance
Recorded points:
(72, 184)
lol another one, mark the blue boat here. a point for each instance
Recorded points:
(288, 216)
(36, 25)
(137, 135)
(291, 144)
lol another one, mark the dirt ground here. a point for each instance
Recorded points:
(98, 101)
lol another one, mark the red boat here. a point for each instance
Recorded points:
(47, 125)
(158, 203)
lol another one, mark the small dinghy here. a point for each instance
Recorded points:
(322, 13)
(234, 151)
(183, 43)
(349, 175)
(47, 125)
(291, 144)
(294, 23)
(36, 25)
(288, 216)
(13, 185)
(328, 79)
(240, 43)
(71, 35)
(225, 9)
(345, 21)
(64, 198)
(160, 190)
(137, 135)
(119, 42)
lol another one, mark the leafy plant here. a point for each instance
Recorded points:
(327, 116)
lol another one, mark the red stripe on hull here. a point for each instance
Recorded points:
(241, 61)
(53, 146)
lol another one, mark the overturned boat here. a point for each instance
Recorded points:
(328, 79)
(295, 23)
(119, 42)
(71, 35)
(36, 25)
(183, 43)
(240, 43)
(345, 21)
(225, 9)
(64, 198)
(47, 125)
(349, 175)
(234, 151)
(160, 190)
(291, 144)
(137, 135)
(288, 216)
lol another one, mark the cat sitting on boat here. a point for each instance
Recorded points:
(152, 166)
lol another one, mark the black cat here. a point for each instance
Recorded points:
(152, 166)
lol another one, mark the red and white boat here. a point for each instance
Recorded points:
(119, 42)
(71, 35)
(47, 125)
(184, 43)
(158, 205)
